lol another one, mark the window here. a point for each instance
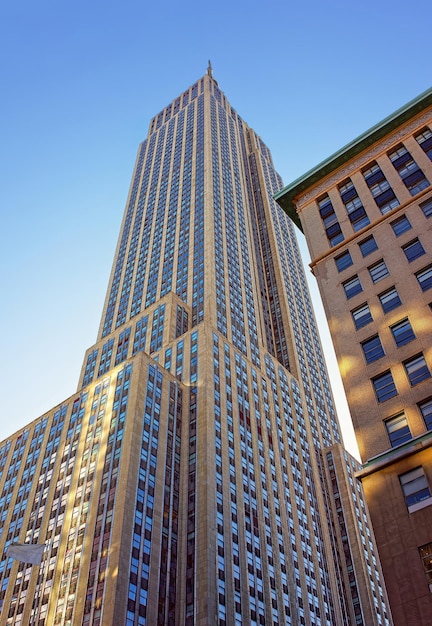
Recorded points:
(343, 261)
(426, 411)
(378, 271)
(353, 205)
(417, 369)
(372, 349)
(367, 246)
(400, 225)
(413, 250)
(424, 278)
(398, 430)
(390, 299)
(426, 207)
(402, 332)
(424, 139)
(415, 487)
(352, 287)
(380, 189)
(425, 553)
(384, 386)
(331, 224)
(410, 173)
(362, 316)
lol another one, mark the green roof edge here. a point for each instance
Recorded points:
(286, 196)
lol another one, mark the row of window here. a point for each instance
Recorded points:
(410, 173)
(416, 370)
(397, 427)
(389, 300)
(402, 333)
(412, 249)
(379, 270)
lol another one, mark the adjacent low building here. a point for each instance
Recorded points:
(366, 213)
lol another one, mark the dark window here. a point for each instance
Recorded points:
(331, 224)
(380, 189)
(359, 219)
(389, 299)
(372, 349)
(402, 332)
(362, 316)
(384, 386)
(425, 553)
(424, 278)
(400, 225)
(378, 271)
(353, 205)
(417, 369)
(343, 261)
(413, 250)
(398, 430)
(412, 176)
(424, 139)
(414, 486)
(368, 245)
(426, 410)
(426, 207)
(352, 287)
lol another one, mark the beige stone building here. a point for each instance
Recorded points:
(366, 213)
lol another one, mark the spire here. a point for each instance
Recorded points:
(210, 69)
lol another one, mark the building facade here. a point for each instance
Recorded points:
(366, 214)
(197, 476)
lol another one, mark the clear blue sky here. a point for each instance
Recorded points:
(80, 82)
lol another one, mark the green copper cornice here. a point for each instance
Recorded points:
(285, 197)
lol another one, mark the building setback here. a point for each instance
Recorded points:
(366, 214)
(197, 476)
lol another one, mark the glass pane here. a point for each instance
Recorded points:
(390, 300)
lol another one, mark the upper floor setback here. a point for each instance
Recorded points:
(208, 84)
(384, 169)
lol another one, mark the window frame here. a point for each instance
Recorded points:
(425, 554)
(426, 207)
(424, 140)
(343, 261)
(410, 173)
(372, 349)
(413, 250)
(377, 274)
(386, 380)
(427, 417)
(368, 315)
(420, 372)
(401, 225)
(387, 292)
(428, 282)
(368, 245)
(330, 220)
(394, 425)
(402, 332)
(415, 489)
(351, 293)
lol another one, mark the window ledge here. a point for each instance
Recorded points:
(394, 455)
(420, 505)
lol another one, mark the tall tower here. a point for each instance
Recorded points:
(366, 213)
(197, 475)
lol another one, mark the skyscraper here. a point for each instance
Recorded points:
(197, 475)
(366, 214)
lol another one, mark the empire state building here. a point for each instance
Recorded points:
(197, 475)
